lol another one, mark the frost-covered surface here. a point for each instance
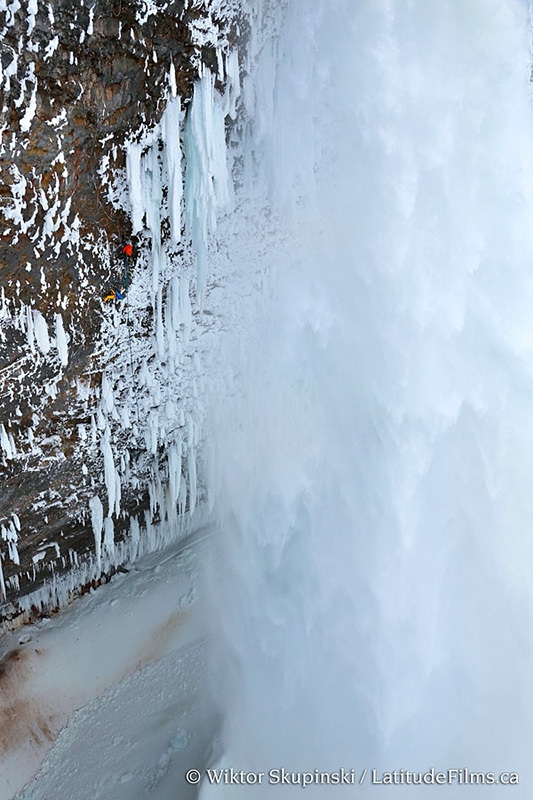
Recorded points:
(129, 662)
(103, 404)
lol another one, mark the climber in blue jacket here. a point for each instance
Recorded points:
(113, 295)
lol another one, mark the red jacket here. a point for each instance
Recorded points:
(127, 249)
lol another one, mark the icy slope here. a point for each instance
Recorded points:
(131, 658)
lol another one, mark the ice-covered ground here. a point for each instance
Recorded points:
(122, 671)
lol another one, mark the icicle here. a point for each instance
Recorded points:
(172, 80)
(97, 519)
(206, 179)
(109, 538)
(156, 267)
(159, 330)
(174, 471)
(186, 310)
(233, 89)
(182, 500)
(109, 470)
(152, 193)
(191, 463)
(135, 537)
(118, 492)
(171, 136)
(172, 318)
(9, 535)
(220, 66)
(133, 170)
(107, 400)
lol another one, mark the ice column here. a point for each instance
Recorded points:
(206, 177)
(171, 137)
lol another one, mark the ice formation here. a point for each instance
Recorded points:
(143, 423)
(372, 443)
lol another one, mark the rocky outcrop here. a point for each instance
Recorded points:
(78, 82)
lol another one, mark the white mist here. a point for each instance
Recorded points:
(372, 462)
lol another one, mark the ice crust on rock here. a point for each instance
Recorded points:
(150, 396)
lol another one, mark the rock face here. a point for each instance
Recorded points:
(79, 458)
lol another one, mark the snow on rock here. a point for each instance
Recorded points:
(51, 47)
(146, 363)
(90, 26)
(6, 442)
(30, 329)
(40, 330)
(61, 340)
(29, 114)
(2, 582)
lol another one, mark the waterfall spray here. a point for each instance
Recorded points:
(372, 437)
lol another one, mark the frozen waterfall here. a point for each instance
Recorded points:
(372, 423)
